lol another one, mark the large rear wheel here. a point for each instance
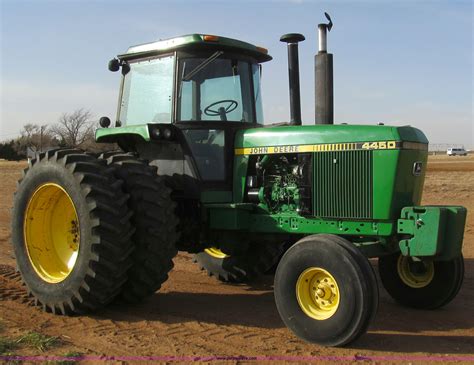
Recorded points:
(421, 284)
(155, 224)
(325, 290)
(71, 232)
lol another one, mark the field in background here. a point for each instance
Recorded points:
(194, 315)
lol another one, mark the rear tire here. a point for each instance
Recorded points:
(429, 286)
(155, 224)
(241, 267)
(335, 296)
(71, 232)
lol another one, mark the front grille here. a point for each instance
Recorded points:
(343, 184)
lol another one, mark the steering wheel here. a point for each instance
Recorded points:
(223, 110)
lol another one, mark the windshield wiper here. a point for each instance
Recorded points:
(202, 65)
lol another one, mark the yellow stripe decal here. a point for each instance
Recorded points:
(324, 147)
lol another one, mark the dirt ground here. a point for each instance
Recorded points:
(194, 317)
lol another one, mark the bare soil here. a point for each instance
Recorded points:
(195, 317)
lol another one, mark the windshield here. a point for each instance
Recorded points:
(148, 92)
(222, 90)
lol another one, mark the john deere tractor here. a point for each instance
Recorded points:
(199, 171)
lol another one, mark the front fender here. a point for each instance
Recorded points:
(111, 135)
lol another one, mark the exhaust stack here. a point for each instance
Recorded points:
(292, 39)
(323, 66)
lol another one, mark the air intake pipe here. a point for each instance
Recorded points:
(292, 40)
(323, 66)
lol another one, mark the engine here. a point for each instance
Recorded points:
(281, 183)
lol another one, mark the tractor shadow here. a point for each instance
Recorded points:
(399, 329)
(395, 329)
(415, 343)
(255, 310)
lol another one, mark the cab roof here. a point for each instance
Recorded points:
(193, 42)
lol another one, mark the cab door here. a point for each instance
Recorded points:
(212, 103)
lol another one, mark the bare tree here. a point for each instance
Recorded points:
(34, 136)
(29, 130)
(74, 129)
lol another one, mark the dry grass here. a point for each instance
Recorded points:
(39, 341)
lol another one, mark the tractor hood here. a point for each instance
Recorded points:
(312, 138)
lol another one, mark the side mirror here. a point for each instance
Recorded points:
(104, 122)
(114, 65)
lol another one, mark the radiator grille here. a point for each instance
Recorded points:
(343, 184)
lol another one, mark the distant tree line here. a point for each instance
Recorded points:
(73, 130)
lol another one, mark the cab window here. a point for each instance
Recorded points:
(222, 90)
(148, 92)
(207, 147)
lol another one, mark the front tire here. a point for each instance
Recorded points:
(324, 291)
(71, 232)
(421, 285)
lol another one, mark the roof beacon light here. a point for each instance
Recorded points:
(210, 38)
(262, 49)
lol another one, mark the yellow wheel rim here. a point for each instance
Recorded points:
(51, 232)
(317, 293)
(414, 279)
(215, 252)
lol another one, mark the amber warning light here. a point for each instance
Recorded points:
(210, 38)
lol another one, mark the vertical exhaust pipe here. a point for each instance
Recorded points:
(323, 66)
(292, 40)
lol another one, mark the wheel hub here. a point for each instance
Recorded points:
(317, 293)
(320, 293)
(51, 233)
(415, 274)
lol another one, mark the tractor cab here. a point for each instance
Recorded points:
(189, 95)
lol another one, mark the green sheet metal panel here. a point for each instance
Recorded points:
(239, 177)
(396, 185)
(408, 186)
(240, 217)
(312, 134)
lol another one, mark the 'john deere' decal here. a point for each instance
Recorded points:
(327, 147)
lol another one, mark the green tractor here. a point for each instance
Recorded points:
(198, 171)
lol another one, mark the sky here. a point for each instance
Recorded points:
(396, 62)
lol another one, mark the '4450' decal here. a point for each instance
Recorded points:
(382, 145)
